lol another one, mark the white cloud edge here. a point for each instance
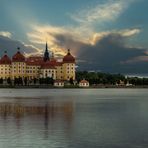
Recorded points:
(6, 34)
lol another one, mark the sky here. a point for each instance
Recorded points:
(104, 35)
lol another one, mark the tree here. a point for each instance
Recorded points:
(1, 81)
(20, 81)
(35, 80)
(9, 81)
(25, 81)
(71, 81)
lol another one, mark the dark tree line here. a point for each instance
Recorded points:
(107, 78)
(25, 81)
(47, 81)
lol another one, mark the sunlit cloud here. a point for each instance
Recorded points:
(90, 46)
(101, 13)
(136, 60)
(60, 38)
(5, 34)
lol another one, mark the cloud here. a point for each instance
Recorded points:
(136, 60)
(5, 34)
(107, 50)
(101, 13)
(111, 54)
(123, 33)
(59, 39)
(10, 45)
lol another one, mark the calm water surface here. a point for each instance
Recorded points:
(74, 118)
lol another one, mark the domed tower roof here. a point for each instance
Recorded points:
(68, 58)
(18, 57)
(5, 59)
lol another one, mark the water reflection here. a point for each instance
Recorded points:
(45, 115)
(19, 110)
(75, 120)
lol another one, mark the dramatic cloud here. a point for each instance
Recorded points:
(111, 54)
(107, 50)
(10, 45)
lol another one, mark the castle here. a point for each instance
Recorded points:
(35, 67)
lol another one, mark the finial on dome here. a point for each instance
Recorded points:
(68, 51)
(18, 48)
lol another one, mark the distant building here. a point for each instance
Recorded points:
(37, 67)
(83, 83)
(59, 83)
(121, 83)
(129, 84)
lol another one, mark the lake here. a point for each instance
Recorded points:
(73, 118)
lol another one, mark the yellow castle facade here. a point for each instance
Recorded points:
(36, 67)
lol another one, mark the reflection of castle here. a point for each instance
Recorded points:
(51, 110)
(39, 116)
(37, 67)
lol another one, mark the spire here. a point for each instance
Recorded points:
(46, 47)
(46, 53)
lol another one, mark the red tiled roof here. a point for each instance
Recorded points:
(35, 61)
(69, 58)
(58, 81)
(59, 63)
(47, 65)
(18, 57)
(84, 81)
(5, 60)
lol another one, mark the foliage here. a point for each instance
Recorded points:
(71, 81)
(99, 78)
(107, 78)
(1, 81)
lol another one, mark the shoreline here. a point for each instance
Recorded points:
(72, 87)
